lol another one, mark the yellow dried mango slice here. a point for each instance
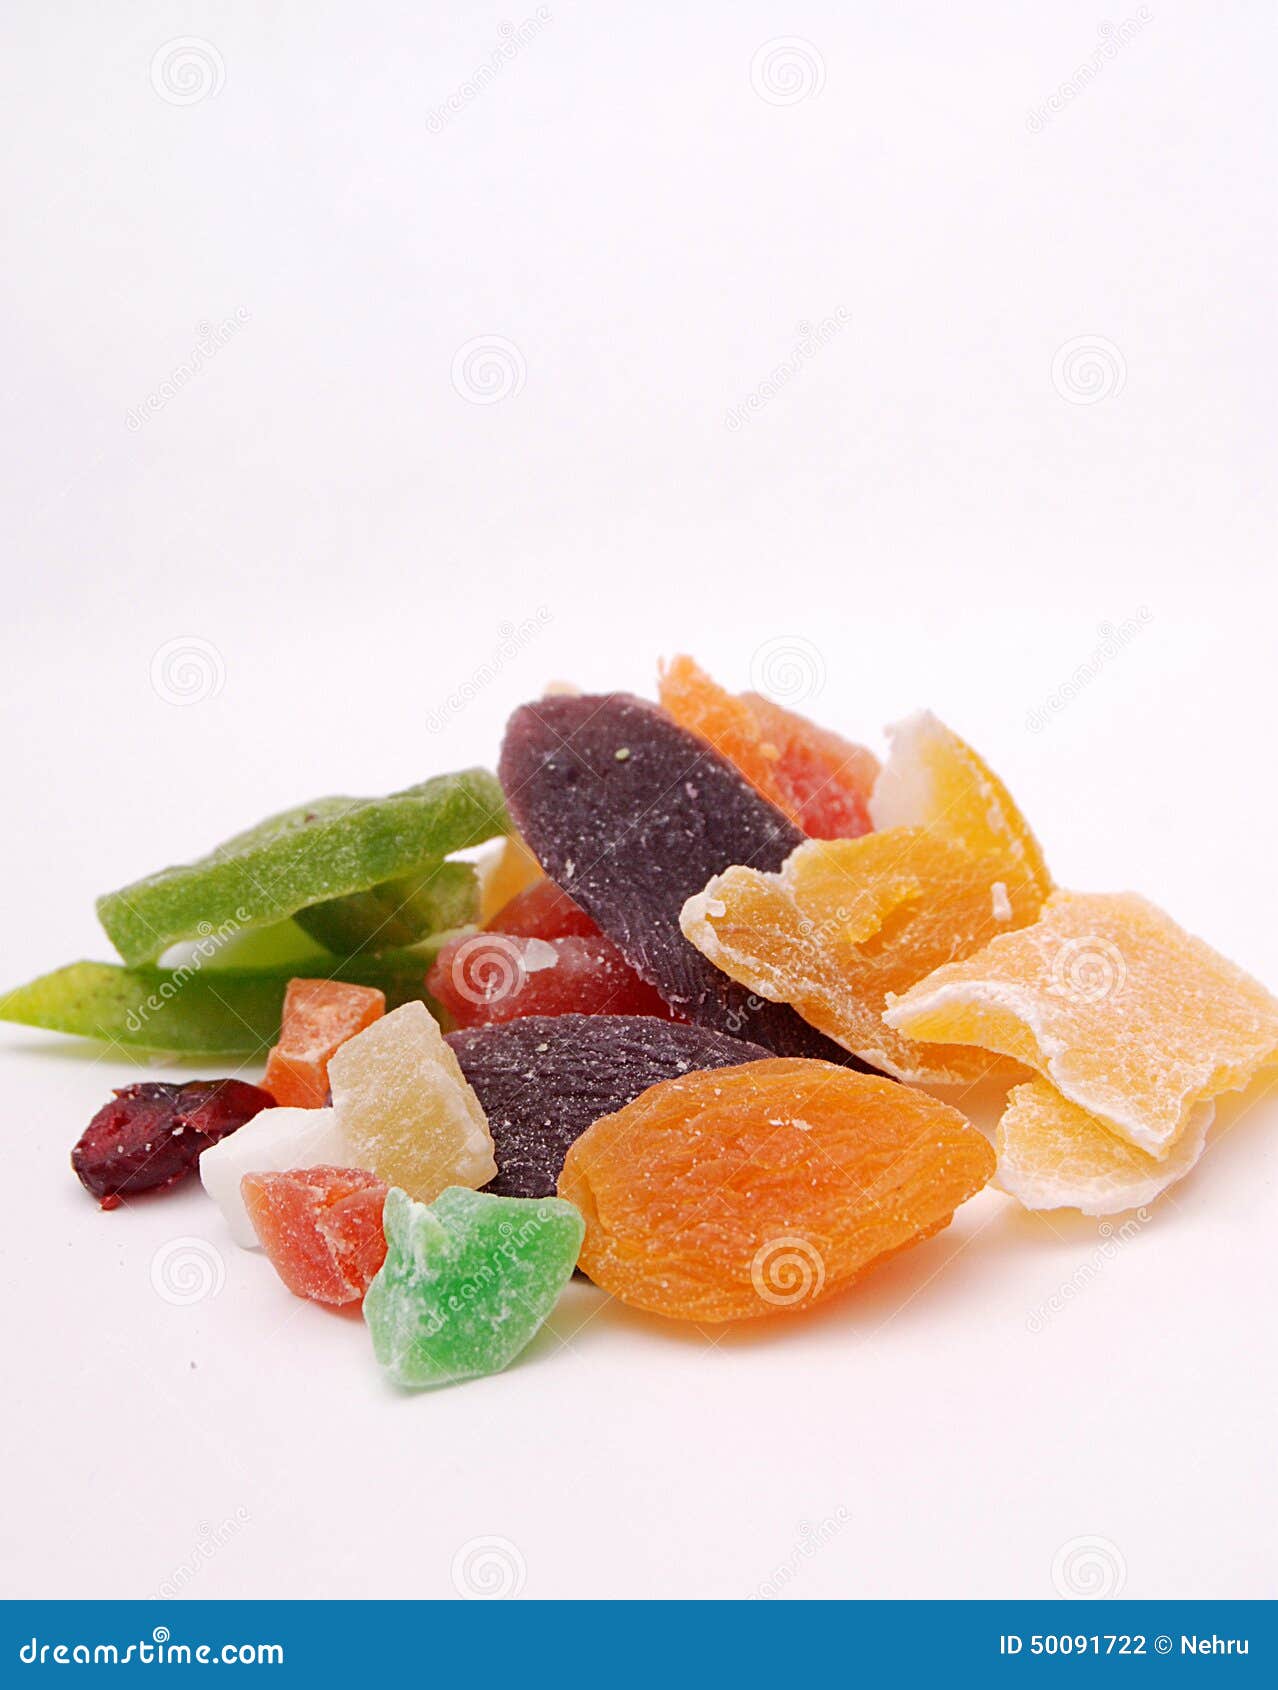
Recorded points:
(1054, 1155)
(846, 921)
(1128, 1016)
(934, 779)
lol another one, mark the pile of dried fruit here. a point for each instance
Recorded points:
(691, 995)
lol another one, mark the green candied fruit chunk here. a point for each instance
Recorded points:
(467, 1281)
(193, 1010)
(312, 854)
(398, 912)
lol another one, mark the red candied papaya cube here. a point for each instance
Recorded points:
(321, 1228)
(542, 911)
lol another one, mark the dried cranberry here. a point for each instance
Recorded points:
(150, 1136)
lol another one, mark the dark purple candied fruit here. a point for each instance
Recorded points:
(544, 1079)
(631, 814)
(151, 1135)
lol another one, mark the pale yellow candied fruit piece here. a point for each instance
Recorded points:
(1054, 1155)
(934, 779)
(1129, 1016)
(846, 921)
(503, 874)
(406, 1108)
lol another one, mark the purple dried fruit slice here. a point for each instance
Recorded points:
(543, 1079)
(152, 1135)
(631, 814)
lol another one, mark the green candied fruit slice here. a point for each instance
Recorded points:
(467, 1281)
(308, 855)
(196, 1011)
(398, 912)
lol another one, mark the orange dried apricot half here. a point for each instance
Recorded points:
(743, 1191)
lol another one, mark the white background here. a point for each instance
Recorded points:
(342, 536)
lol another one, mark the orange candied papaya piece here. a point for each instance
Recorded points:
(822, 782)
(319, 1017)
(1128, 1016)
(745, 1191)
(847, 922)
(934, 779)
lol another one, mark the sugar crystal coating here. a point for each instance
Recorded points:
(467, 1282)
(632, 837)
(406, 1109)
(544, 1079)
(753, 1190)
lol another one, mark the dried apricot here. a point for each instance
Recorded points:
(741, 1191)
(846, 921)
(1130, 1017)
(821, 782)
